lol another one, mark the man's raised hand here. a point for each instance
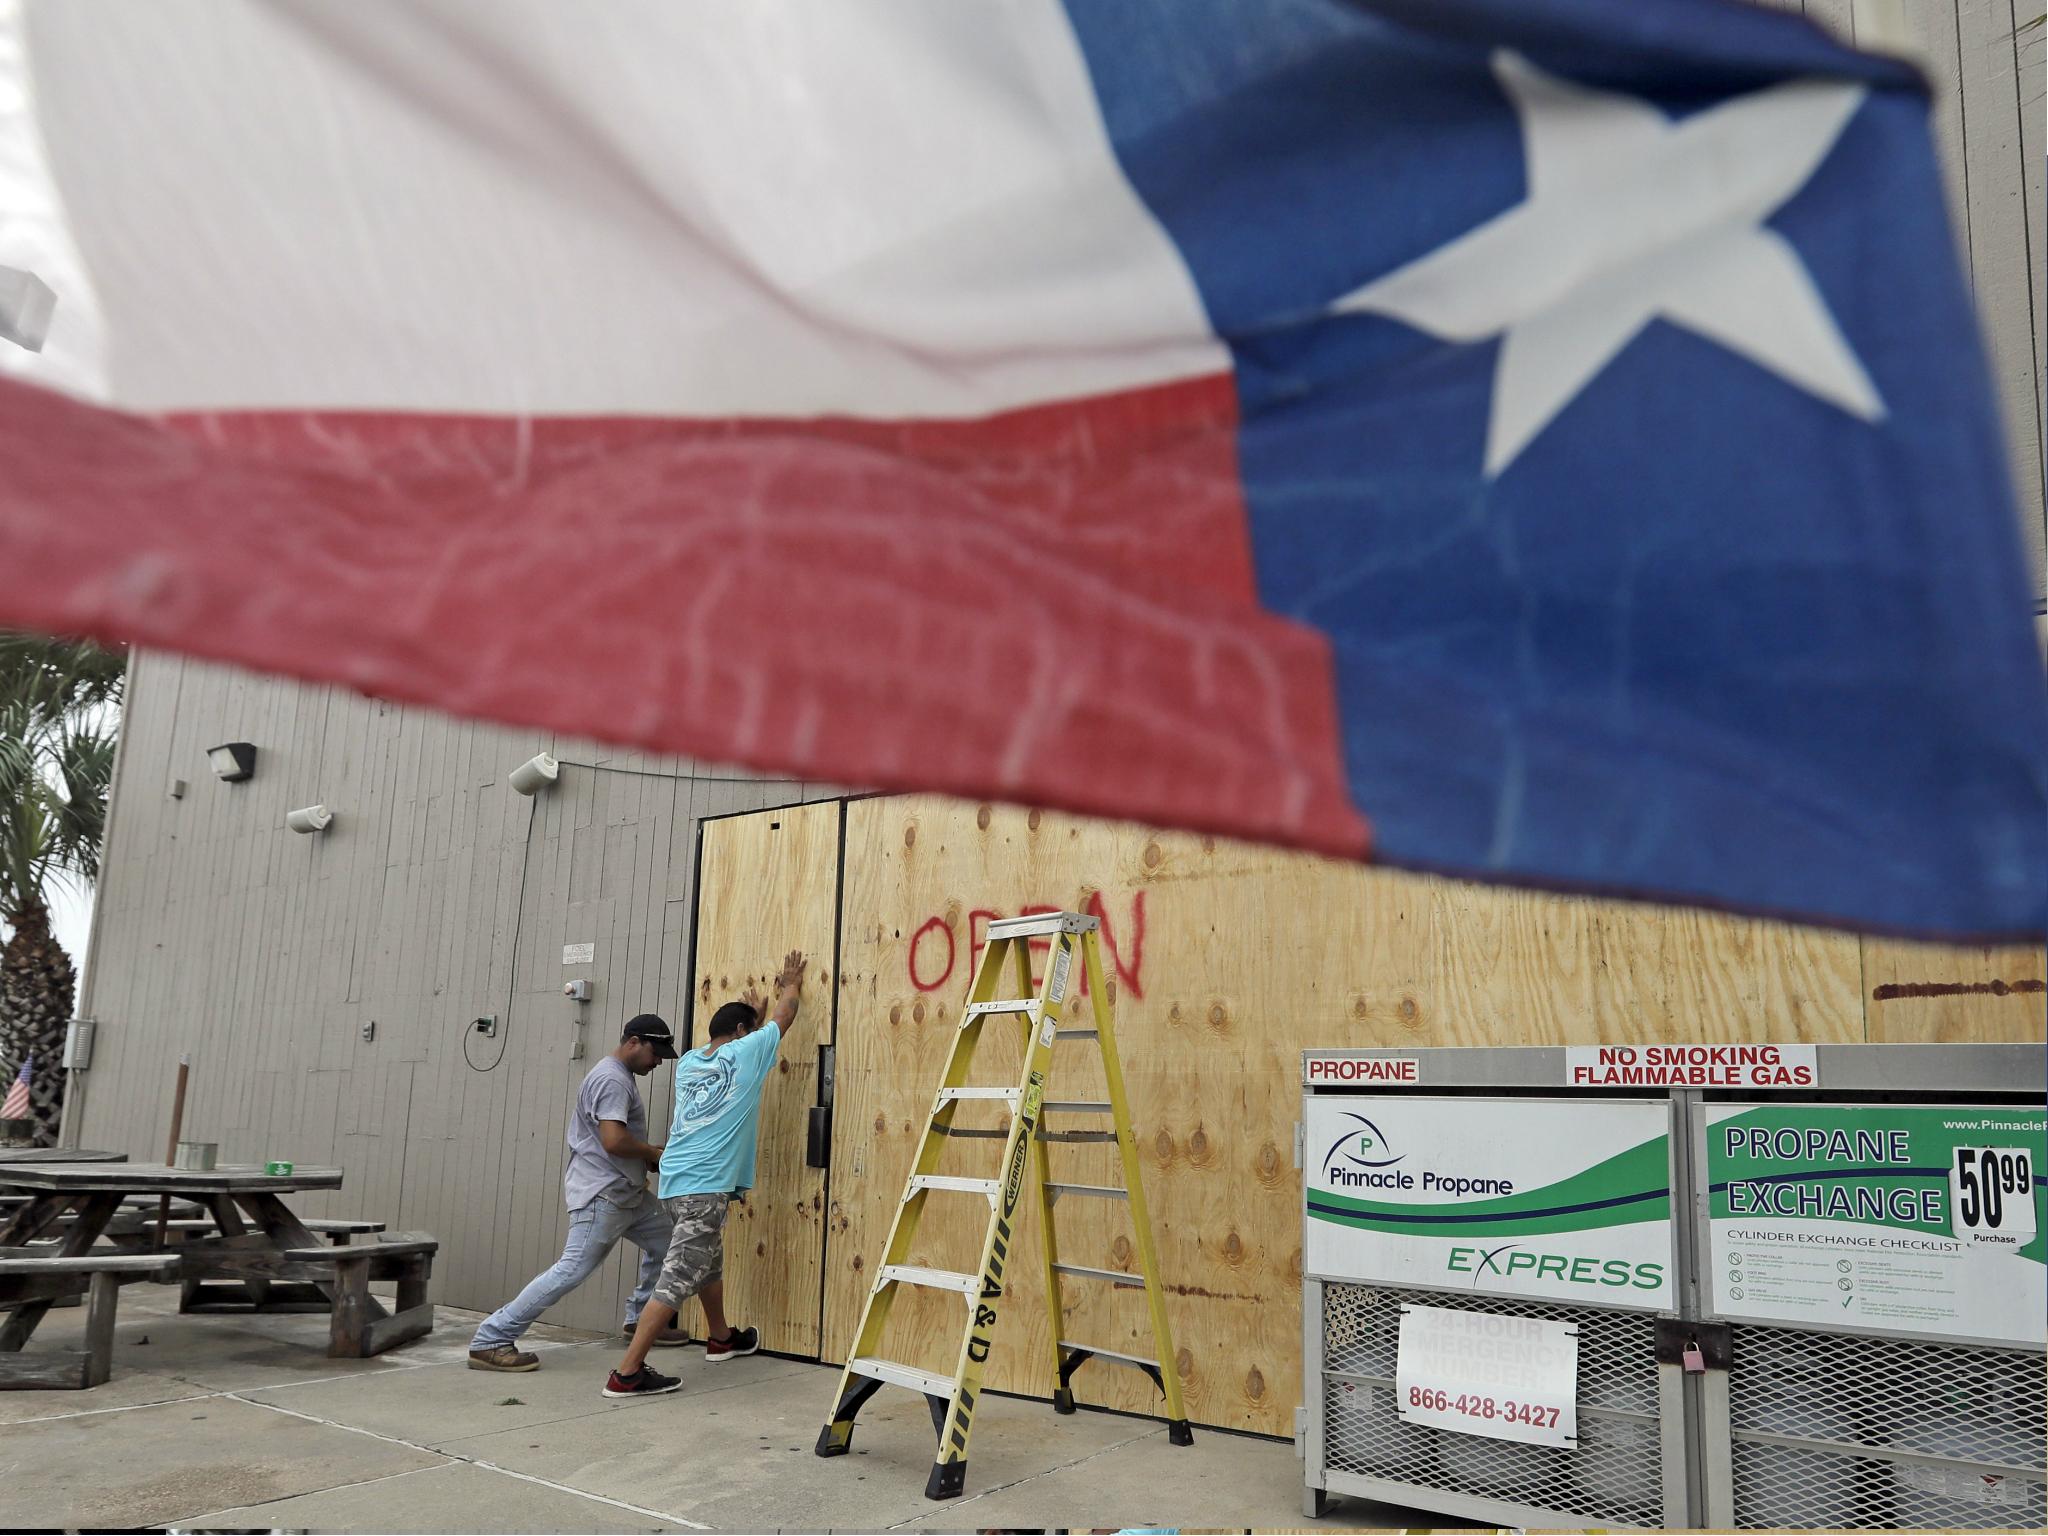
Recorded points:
(792, 977)
(788, 987)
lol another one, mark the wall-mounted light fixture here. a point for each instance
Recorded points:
(233, 761)
(314, 818)
(535, 774)
(26, 304)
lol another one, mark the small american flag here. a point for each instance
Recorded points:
(16, 1106)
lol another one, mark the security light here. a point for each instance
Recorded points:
(535, 774)
(233, 761)
(314, 818)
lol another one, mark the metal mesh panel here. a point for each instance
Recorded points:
(1615, 1473)
(1980, 1408)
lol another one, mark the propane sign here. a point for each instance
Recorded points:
(1337, 1067)
(1568, 1200)
(1923, 1219)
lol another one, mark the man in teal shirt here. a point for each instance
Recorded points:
(708, 1162)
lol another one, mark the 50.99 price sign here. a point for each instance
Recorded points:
(1991, 1195)
(1481, 1373)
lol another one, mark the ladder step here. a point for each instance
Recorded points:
(1112, 1354)
(1096, 1191)
(1077, 1034)
(1080, 1106)
(1113, 1276)
(1007, 1005)
(987, 1187)
(971, 1134)
(902, 1376)
(934, 1279)
(1041, 924)
(954, 1095)
(1045, 1135)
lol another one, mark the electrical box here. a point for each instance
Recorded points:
(78, 1045)
(577, 991)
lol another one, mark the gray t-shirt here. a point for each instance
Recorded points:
(609, 1093)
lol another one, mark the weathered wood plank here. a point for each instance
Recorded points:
(99, 1327)
(52, 1370)
(399, 1328)
(348, 1334)
(124, 1179)
(154, 1266)
(407, 1246)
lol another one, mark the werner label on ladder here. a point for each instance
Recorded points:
(952, 1399)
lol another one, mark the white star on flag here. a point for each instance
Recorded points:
(1631, 218)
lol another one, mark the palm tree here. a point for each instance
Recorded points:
(59, 701)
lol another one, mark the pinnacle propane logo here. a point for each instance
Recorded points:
(1504, 1197)
(1361, 1148)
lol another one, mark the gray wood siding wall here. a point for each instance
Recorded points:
(1987, 61)
(438, 895)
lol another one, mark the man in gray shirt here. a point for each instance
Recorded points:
(605, 1186)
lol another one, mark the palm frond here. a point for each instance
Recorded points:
(58, 700)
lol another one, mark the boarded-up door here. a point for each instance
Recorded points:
(768, 883)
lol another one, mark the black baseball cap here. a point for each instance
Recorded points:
(652, 1028)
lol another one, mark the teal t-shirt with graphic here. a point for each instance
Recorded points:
(711, 1135)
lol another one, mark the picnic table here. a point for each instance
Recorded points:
(270, 1258)
(12, 1155)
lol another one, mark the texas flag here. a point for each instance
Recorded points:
(1544, 440)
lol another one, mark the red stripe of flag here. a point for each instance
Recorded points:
(1051, 605)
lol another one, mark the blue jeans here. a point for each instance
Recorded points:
(593, 1232)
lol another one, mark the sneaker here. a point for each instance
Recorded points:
(644, 1382)
(668, 1338)
(503, 1357)
(741, 1341)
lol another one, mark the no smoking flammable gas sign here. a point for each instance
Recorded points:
(1691, 1066)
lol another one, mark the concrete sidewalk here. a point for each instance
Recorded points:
(243, 1422)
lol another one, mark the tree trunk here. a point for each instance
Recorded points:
(37, 989)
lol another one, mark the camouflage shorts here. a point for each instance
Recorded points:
(696, 1249)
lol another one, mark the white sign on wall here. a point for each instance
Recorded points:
(1480, 1373)
(1563, 1199)
(579, 954)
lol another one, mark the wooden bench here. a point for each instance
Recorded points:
(360, 1326)
(32, 1285)
(330, 1279)
(340, 1231)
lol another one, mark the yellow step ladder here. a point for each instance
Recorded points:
(952, 1398)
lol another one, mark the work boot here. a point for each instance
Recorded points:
(668, 1338)
(503, 1357)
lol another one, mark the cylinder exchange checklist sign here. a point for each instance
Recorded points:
(1567, 1200)
(1913, 1218)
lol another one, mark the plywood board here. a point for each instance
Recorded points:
(768, 883)
(1227, 961)
(1934, 992)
